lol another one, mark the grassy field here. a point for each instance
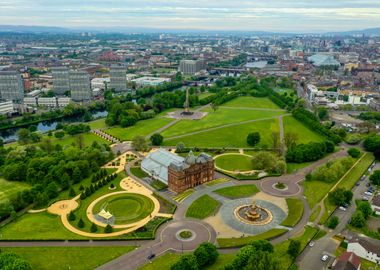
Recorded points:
(314, 191)
(62, 258)
(251, 102)
(217, 181)
(235, 136)
(88, 139)
(292, 167)
(233, 162)
(237, 191)
(305, 134)
(348, 182)
(238, 242)
(40, 226)
(136, 171)
(295, 207)
(204, 95)
(9, 189)
(202, 207)
(126, 208)
(315, 214)
(182, 196)
(97, 124)
(142, 128)
(165, 261)
(221, 117)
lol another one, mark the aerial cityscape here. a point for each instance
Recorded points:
(178, 135)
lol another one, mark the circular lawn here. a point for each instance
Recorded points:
(126, 208)
(234, 162)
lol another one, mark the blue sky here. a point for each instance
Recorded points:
(266, 15)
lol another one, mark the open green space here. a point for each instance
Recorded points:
(220, 117)
(242, 241)
(9, 189)
(280, 250)
(251, 102)
(295, 207)
(292, 167)
(204, 95)
(240, 191)
(314, 191)
(39, 226)
(126, 208)
(234, 136)
(86, 138)
(138, 172)
(305, 135)
(165, 261)
(60, 258)
(97, 124)
(234, 162)
(141, 128)
(202, 207)
(315, 213)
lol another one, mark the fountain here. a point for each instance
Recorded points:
(253, 214)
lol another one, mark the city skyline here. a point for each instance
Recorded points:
(274, 15)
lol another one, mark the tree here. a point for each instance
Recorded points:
(108, 229)
(264, 160)
(23, 135)
(294, 248)
(333, 222)
(186, 262)
(354, 152)
(140, 144)
(358, 220)
(253, 138)
(72, 192)
(375, 177)
(156, 139)
(93, 228)
(59, 134)
(41, 199)
(72, 216)
(340, 196)
(214, 106)
(52, 190)
(180, 147)
(323, 113)
(365, 208)
(80, 223)
(206, 254)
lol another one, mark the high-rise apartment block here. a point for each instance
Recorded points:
(118, 78)
(11, 86)
(61, 80)
(191, 67)
(80, 85)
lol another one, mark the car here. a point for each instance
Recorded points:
(357, 184)
(368, 193)
(342, 208)
(365, 198)
(368, 185)
(346, 205)
(362, 178)
(151, 256)
(312, 243)
(371, 189)
(324, 258)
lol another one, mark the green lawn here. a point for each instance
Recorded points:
(221, 117)
(251, 102)
(203, 207)
(234, 162)
(314, 191)
(62, 258)
(315, 214)
(204, 95)
(305, 135)
(295, 207)
(217, 181)
(141, 128)
(182, 196)
(126, 208)
(238, 242)
(165, 261)
(9, 189)
(97, 124)
(40, 226)
(292, 167)
(235, 136)
(240, 191)
(138, 172)
(88, 139)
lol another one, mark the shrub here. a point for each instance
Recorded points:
(108, 229)
(71, 216)
(333, 222)
(354, 152)
(156, 139)
(253, 138)
(93, 228)
(80, 223)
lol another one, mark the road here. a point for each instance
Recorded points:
(310, 259)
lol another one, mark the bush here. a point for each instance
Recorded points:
(253, 138)
(333, 222)
(80, 223)
(71, 216)
(308, 152)
(358, 220)
(186, 262)
(93, 228)
(354, 152)
(375, 178)
(206, 254)
(156, 139)
(108, 229)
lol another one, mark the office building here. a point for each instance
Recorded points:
(11, 86)
(50, 102)
(80, 85)
(191, 67)
(150, 81)
(61, 80)
(6, 107)
(118, 79)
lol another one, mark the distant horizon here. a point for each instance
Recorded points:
(281, 16)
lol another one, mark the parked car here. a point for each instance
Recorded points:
(362, 178)
(324, 258)
(345, 205)
(312, 243)
(151, 256)
(368, 185)
(357, 184)
(342, 208)
(365, 198)
(368, 193)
